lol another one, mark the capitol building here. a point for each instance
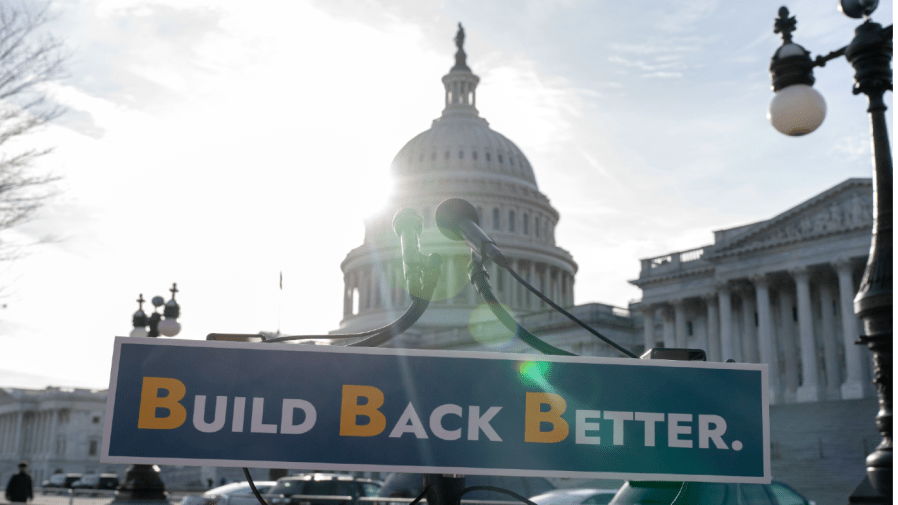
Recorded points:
(460, 156)
(778, 291)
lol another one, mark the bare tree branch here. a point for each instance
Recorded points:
(29, 58)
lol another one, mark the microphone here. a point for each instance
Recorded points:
(407, 224)
(457, 219)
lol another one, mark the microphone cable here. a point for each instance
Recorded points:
(480, 280)
(566, 313)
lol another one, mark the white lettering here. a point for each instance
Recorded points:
(618, 418)
(649, 418)
(436, 418)
(199, 414)
(674, 430)
(705, 433)
(583, 425)
(476, 423)
(256, 424)
(239, 409)
(408, 423)
(287, 426)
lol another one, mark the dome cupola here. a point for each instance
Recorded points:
(459, 156)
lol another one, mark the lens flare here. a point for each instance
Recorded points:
(488, 331)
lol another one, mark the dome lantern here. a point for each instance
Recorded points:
(460, 82)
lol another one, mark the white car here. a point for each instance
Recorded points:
(223, 495)
(584, 496)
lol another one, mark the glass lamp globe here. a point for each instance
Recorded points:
(797, 110)
(139, 331)
(169, 327)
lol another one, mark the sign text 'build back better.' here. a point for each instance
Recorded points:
(304, 407)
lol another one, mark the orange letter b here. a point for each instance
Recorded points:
(150, 401)
(533, 416)
(350, 410)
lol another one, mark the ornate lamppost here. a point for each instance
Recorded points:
(168, 327)
(797, 109)
(143, 483)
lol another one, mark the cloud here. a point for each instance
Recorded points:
(852, 147)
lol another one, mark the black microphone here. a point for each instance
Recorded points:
(407, 224)
(457, 219)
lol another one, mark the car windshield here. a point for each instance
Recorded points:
(647, 493)
(232, 488)
(316, 488)
(591, 497)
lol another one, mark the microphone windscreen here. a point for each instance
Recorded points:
(407, 219)
(453, 212)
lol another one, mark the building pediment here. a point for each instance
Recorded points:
(845, 208)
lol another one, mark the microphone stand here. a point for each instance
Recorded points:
(480, 278)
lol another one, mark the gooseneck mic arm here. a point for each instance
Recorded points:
(568, 314)
(458, 220)
(421, 278)
(481, 280)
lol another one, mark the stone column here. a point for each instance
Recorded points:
(750, 351)
(668, 325)
(712, 328)
(17, 438)
(679, 323)
(390, 288)
(809, 391)
(362, 286)
(534, 300)
(347, 295)
(768, 351)
(726, 321)
(830, 351)
(648, 330)
(787, 342)
(570, 288)
(853, 387)
(54, 422)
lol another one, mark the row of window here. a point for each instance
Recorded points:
(512, 222)
(461, 156)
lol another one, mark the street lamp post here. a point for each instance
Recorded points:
(797, 109)
(143, 483)
(154, 325)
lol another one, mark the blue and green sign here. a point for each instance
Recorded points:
(336, 408)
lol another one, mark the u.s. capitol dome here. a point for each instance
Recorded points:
(459, 156)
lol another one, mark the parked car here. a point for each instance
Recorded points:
(96, 481)
(582, 496)
(60, 481)
(706, 493)
(224, 495)
(410, 485)
(289, 490)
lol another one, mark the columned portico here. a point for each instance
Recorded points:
(778, 292)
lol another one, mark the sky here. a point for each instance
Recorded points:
(220, 143)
